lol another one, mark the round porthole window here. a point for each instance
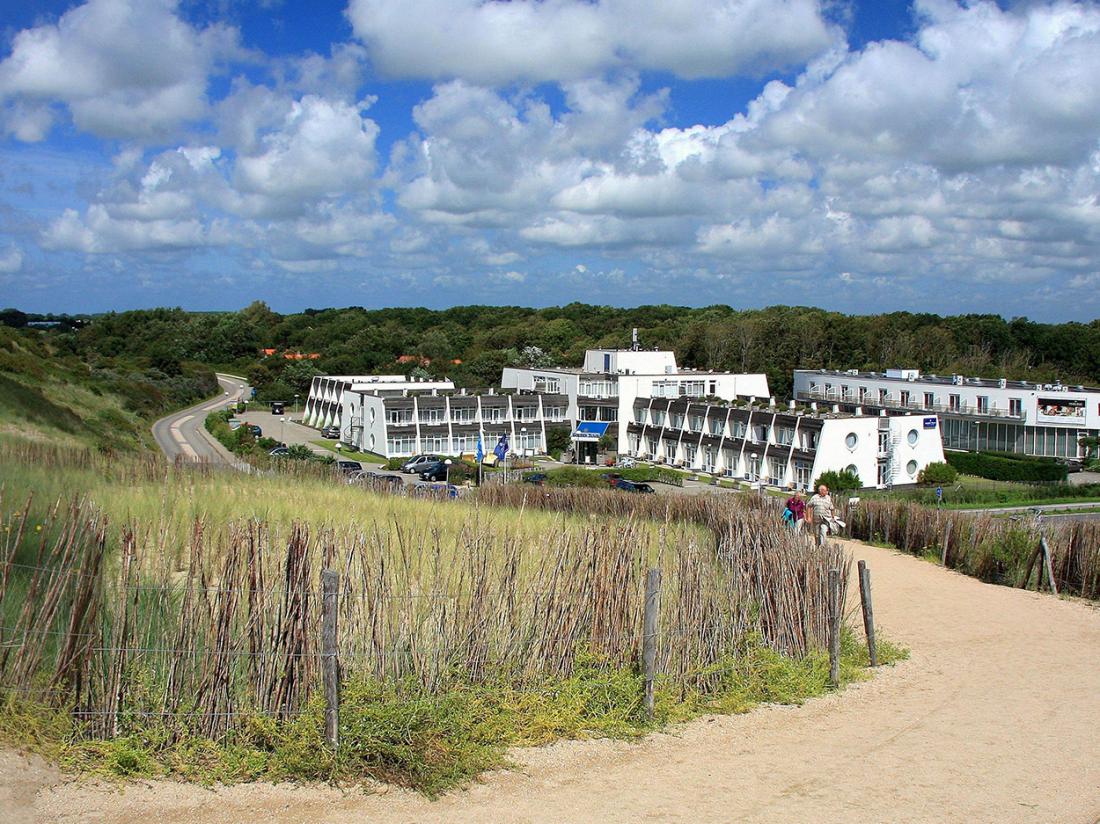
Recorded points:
(852, 468)
(371, 443)
(911, 468)
(372, 414)
(851, 440)
(912, 437)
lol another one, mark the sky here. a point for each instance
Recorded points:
(856, 155)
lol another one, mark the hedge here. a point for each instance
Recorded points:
(1001, 468)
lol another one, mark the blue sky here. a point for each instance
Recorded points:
(930, 156)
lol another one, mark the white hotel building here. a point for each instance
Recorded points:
(977, 413)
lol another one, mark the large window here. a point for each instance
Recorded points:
(463, 414)
(547, 384)
(400, 445)
(929, 400)
(983, 404)
(954, 403)
(658, 417)
(1015, 407)
(464, 443)
(554, 413)
(431, 416)
(399, 417)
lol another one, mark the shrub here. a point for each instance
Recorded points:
(938, 473)
(842, 481)
(1000, 467)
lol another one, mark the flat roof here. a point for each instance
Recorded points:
(949, 380)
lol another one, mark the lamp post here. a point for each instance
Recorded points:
(523, 440)
(447, 472)
(282, 429)
(295, 407)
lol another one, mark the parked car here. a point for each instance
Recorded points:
(276, 408)
(626, 462)
(279, 450)
(612, 478)
(536, 478)
(255, 430)
(349, 466)
(331, 432)
(644, 488)
(418, 463)
(434, 472)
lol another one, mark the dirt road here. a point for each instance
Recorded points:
(995, 718)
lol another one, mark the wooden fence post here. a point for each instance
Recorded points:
(330, 664)
(649, 636)
(836, 608)
(868, 614)
(1048, 564)
(946, 538)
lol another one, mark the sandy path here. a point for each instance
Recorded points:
(996, 717)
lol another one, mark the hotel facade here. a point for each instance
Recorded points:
(977, 414)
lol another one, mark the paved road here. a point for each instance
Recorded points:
(183, 433)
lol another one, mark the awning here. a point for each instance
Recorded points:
(590, 430)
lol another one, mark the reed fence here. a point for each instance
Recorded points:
(115, 631)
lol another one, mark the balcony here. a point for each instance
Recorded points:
(893, 402)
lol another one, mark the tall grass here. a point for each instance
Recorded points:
(993, 549)
(162, 602)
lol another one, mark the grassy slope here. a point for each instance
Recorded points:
(47, 395)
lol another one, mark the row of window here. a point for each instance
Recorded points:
(729, 462)
(496, 414)
(991, 436)
(462, 443)
(684, 388)
(758, 433)
(908, 400)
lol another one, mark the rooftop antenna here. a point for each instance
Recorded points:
(634, 339)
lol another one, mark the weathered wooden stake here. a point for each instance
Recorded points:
(834, 627)
(868, 614)
(1048, 564)
(330, 664)
(649, 636)
(946, 538)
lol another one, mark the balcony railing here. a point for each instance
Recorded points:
(891, 402)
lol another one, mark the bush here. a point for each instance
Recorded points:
(1000, 467)
(938, 473)
(842, 481)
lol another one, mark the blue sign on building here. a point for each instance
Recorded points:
(930, 423)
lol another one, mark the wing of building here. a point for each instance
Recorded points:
(984, 414)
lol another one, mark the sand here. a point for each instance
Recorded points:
(994, 718)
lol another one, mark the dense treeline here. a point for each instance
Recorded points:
(775, 340)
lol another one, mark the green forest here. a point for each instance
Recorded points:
(470, 344)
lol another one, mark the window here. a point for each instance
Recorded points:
(554, 413)
(862, 393)
(696, 423)
(713, 388)
(983, 404)
(760, 433)
(853, 469)
(1015, 407)
(844, 393)
(547, 384)
(777, 471)
(883, 441)
(905, 397)
(753, 473)
(433, 443)
(493, 413)
(639, 415)
(658, 417)
(851, 440)
(911, 468)
(954, 403)
(784, 435)
(691, 389)
(399, 417)
(913, 437)
(717, 426)
(676, 421)
(802, 475)
(400, 445)
(883, 396)
(464, 414)
(929, 400)
(670, 451)
(689, 454)
(464, 443)
(739, 429)
(710, 455)
(430, 416)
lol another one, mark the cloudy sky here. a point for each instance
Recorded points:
(861, 155)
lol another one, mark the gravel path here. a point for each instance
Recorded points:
(995, 718)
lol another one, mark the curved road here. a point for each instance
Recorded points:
(183, 434)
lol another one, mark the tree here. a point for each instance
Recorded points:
(839, 481)
(938, 473)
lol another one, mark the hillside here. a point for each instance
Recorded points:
(49, 393)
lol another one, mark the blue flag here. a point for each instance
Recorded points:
(480, 450)
(501, 449)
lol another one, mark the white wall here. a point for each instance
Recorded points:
(371, 410)
(915, 446)
(623, 360)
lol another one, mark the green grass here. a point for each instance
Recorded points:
(400, 734)
(372, 458)
(972, 492)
